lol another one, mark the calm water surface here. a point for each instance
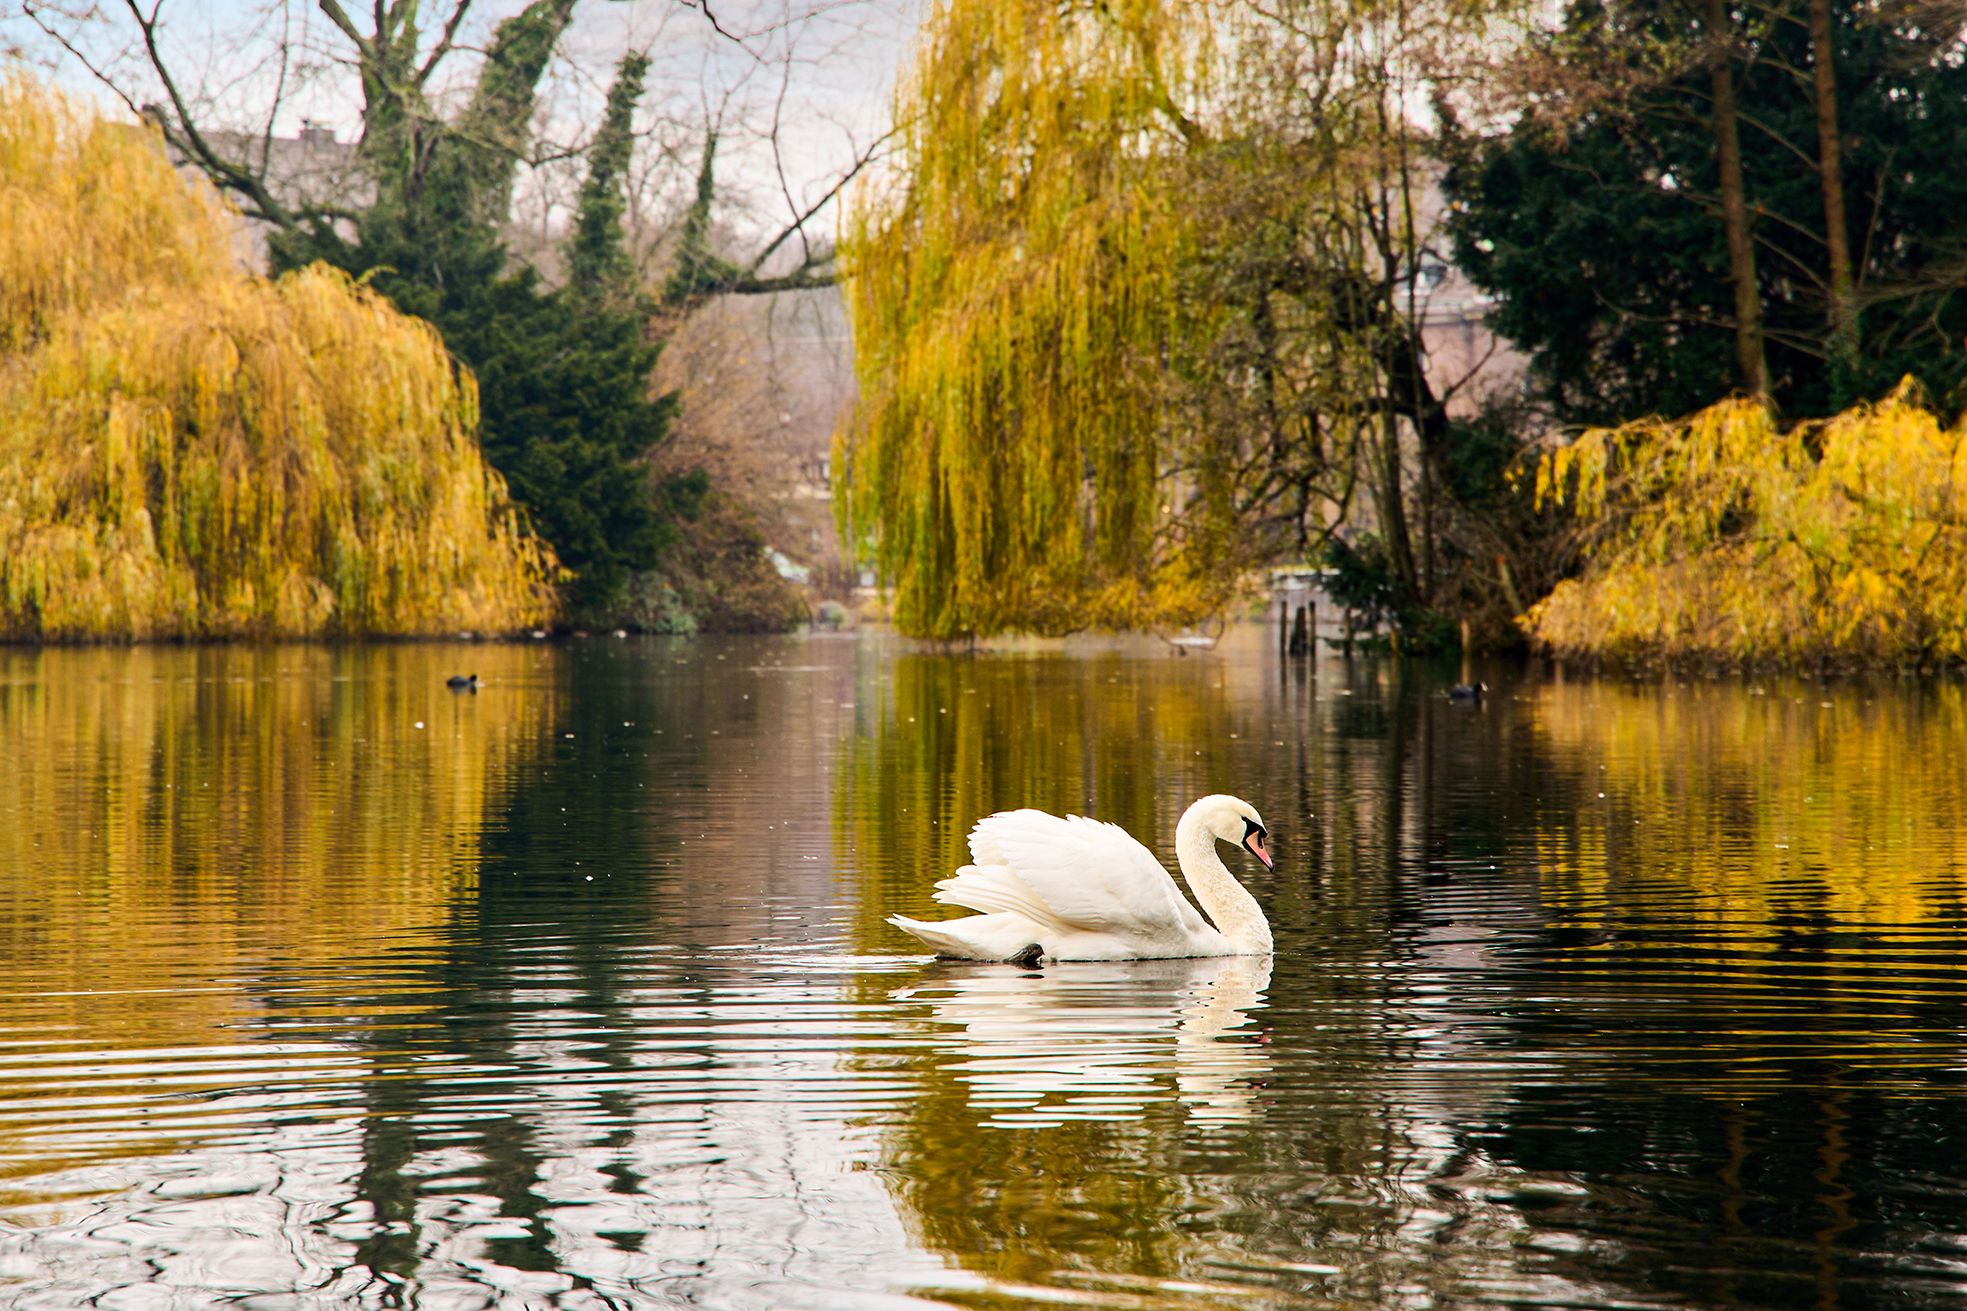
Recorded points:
(321, 986)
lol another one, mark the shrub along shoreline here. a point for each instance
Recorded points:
(1725, 539)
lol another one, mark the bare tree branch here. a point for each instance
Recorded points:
(715, 26)
(339, 17)
(192, 142)
(798, 224)
(446, 42)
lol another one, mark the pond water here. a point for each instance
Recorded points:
(322, 986)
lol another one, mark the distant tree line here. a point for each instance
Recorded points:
(1142, 307)
(569, 414)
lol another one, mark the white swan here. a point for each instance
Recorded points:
(1077, 889)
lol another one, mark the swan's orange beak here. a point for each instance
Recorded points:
(1254, 840)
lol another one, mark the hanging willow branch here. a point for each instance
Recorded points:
(1723, 539)
(1127, 311)
(1014, 292)
(188, 451)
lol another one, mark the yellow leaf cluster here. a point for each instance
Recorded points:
(189, 451)
(1013, 294)
(1723, 538)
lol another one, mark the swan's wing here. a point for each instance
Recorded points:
(995, 888)
(1073, 872)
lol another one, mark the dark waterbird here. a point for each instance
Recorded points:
(1468, 691)
(462, 682)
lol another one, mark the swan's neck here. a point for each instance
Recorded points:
(1234, 910)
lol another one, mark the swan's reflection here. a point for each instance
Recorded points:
(1102, 1040)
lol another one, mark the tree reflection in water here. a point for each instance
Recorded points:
(580, 995)
(1559, 975)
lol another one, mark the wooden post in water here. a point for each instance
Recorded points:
(1283, 625)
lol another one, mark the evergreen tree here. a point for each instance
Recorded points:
(1600, 232)
(563, 375)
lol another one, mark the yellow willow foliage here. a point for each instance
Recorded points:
(1013, 291)
(1725, 539)
(186, 451)
(90, 211)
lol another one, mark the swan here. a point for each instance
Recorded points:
(1078, 889)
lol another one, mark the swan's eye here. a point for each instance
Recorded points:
(1251, 826)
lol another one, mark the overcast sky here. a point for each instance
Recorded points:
(816, 72)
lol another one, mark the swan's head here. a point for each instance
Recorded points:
(1235, 820)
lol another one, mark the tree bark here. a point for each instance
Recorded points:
(1393, 508)
(1749, 356)
(1830, 164)
(494, 128)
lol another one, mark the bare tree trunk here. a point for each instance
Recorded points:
(1415, 384)
(1387, 308)
(1749, 356)
(1830, 162)
(1393, 506)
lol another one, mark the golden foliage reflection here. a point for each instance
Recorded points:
(1057, 1107)
(1761, 802)
(939, 742)
(204, 815)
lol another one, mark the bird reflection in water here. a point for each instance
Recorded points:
(1102, 1040)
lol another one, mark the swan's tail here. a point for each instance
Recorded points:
(974, 937)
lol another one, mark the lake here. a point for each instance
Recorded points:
(323, 986)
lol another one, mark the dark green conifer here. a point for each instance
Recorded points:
(1600, 234)
(563, 374)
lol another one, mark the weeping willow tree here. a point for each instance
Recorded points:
(186, 451)
(1723, 538)
(1007, 464)
(1136, 308)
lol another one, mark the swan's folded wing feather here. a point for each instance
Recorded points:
(991, 889)
(1086, 875)
(984, 849)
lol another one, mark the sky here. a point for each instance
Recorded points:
(814, 74)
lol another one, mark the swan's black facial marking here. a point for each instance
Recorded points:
(1253, 840)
